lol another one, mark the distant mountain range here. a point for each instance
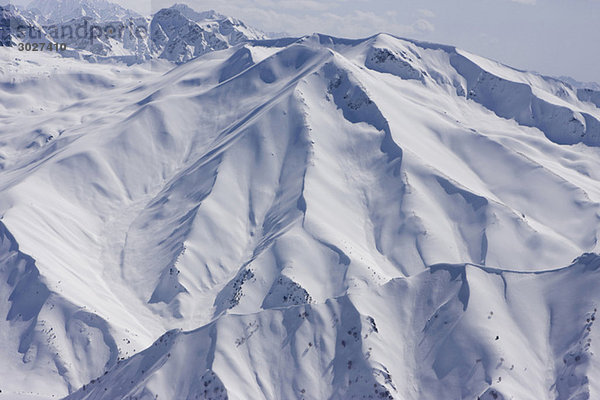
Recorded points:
(97, 29)
(61, 11)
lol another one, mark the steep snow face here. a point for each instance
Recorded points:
(60, 11)
(550, 105)
(314, 210)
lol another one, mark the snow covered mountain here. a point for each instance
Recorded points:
(60, 11)
(15, 25)
(179, 33)
(97, 30)
(313, 218)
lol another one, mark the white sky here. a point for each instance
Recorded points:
(554, 37)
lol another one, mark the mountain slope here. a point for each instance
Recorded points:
(277, 201)
(44, 335)
(470, 334)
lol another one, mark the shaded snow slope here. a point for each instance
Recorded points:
(461, 331)
(296, 213)
(46, 340)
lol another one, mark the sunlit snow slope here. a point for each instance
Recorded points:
(315, 219)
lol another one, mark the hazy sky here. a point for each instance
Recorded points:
(554, 37)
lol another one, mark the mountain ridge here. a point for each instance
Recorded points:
(104, 11)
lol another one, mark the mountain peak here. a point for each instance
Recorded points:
(57, 11)
(179, 33)
(196, 16)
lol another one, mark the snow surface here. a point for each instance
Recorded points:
(312, 218)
